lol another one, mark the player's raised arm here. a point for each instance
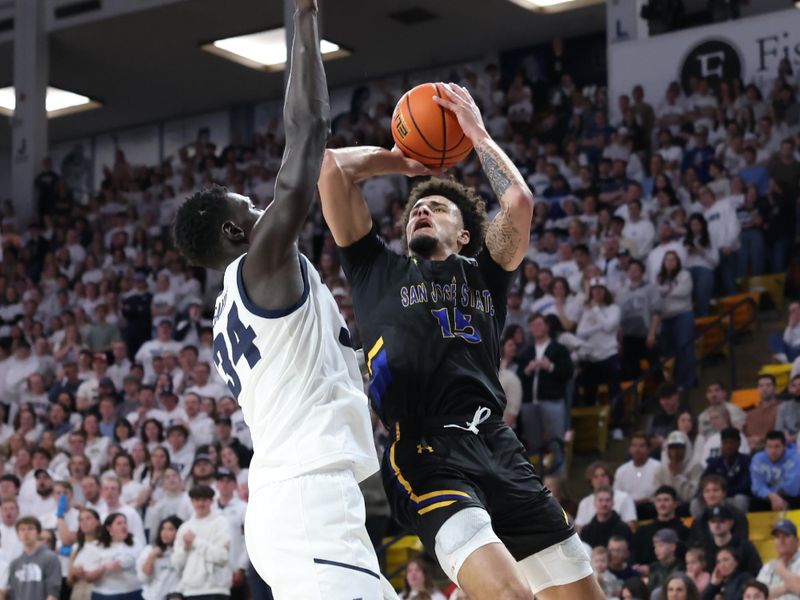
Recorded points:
(508, 234)
(306, 118)
(344, 208)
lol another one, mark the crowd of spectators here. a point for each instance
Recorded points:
(126, 456)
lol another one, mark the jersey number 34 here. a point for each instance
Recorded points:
(241, 339)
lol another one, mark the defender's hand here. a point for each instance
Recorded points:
(462, 105)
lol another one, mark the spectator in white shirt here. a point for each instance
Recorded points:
(671, 109)
(667, 242)
(21, 365)
(92, 498)
(202, 549)
(702, 259)
(200, 424)
(10, 546)
(787, 346)
(668, 150)
(146, 399)
(43, 504)
(723, 229)
(156, 347)
(639, 229)
(85, 554)
(677, 317)
(151, 433)
(96, 443)
(637, 476)
(202, 386)
(118, 371)
(123, 467)
(717, 395)
(172, 500)
(154, 565)
(111, 490)
(598, 328)
(782, 574)
(600, 475)
(719, 419)
(230, 506)
(181, 450)
(115, 578)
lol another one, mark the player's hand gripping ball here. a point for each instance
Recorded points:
(427, 132)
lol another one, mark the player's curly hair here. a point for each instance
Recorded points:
(472, 207)
(197, 225)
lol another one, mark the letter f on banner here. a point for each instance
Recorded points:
(711, 64)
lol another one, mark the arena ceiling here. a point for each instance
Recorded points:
(148, 65)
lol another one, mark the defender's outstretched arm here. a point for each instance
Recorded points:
(306, 117)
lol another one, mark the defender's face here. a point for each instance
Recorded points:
(244, 214)
(438, 218)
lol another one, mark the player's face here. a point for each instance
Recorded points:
(435, 221)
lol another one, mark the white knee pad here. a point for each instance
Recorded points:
(560, 564)
(460, 536)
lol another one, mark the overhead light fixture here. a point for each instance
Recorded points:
(550, 6)
(58, 102)
(265, 50)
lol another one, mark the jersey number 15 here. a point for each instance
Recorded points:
(241, 339)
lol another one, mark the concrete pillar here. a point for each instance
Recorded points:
(29, 123)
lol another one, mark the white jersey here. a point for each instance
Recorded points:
(296, 377)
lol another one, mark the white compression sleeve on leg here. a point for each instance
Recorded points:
(460, 536)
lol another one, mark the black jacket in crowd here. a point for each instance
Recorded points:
(597, 534)
(736, 473)
(642, 551)
(749, 559)
(700, 533)
(552, 385)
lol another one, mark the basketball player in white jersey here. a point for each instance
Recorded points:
(285, 352)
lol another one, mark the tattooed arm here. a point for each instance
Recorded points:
(509, 233)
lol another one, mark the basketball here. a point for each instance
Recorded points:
(425, 131)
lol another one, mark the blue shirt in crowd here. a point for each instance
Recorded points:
(769, 477)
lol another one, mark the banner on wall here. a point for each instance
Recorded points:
(749, 49)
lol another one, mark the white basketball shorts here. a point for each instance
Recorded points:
(306, 538)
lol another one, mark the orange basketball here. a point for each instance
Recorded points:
(425, 131)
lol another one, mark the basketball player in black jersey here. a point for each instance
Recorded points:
(431, 322)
